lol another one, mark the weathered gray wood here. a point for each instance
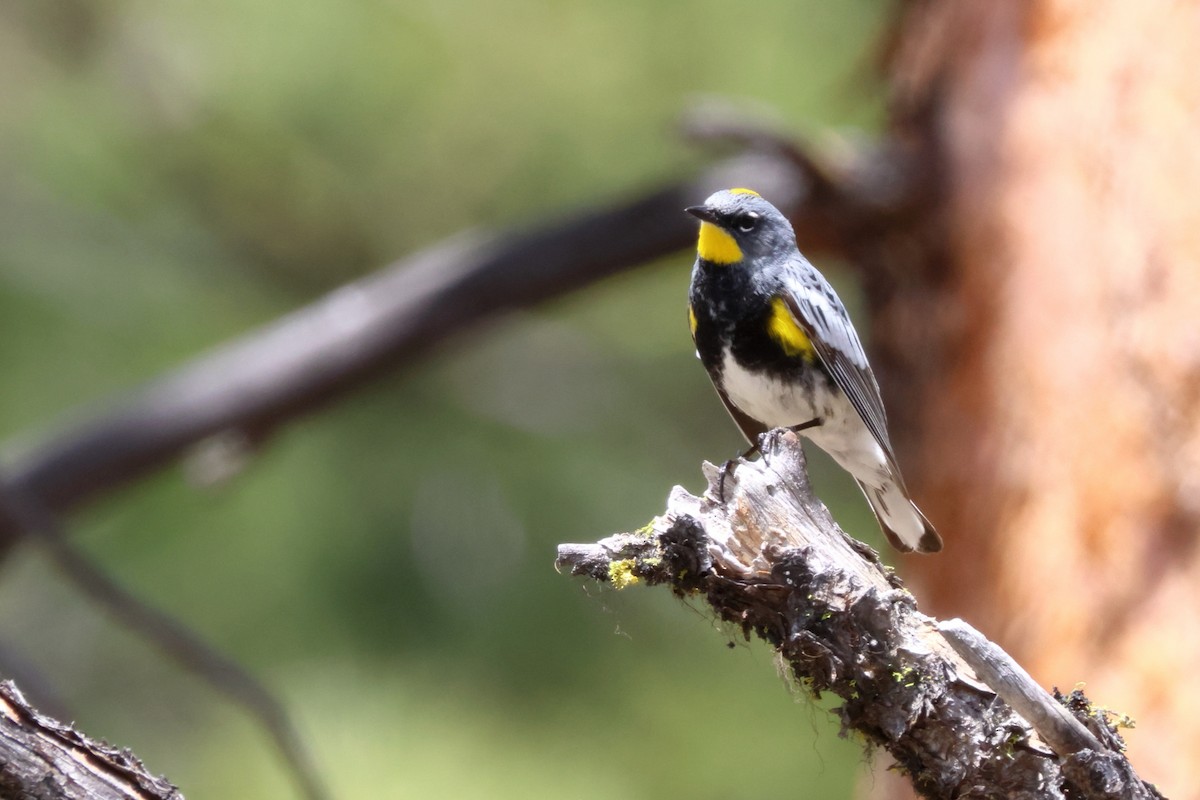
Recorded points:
(770, 559)
(41, 759)
(1007, 678)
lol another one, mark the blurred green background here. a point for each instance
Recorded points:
(173, 174)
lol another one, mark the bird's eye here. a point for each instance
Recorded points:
(747, 222)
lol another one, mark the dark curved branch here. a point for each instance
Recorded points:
(242, 392)
(255, 384)
(771, 561)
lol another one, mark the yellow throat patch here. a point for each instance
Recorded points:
(717, 246)
(783, 328)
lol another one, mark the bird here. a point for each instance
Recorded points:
(781, 352)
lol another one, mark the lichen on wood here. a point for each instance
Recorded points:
(768, 558)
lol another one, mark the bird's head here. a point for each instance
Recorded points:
(738, 224)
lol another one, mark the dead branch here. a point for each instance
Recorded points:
(172, 638)
(243, 391)
(252, 386)
(772, 561)
(42, 759)
(238, 395)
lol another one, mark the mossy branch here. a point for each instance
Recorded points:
(772, 561)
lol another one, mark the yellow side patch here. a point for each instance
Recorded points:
(692, 321)
(745, 191)
(783, 328)
(717, 246)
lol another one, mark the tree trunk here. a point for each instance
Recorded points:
(1038, 342)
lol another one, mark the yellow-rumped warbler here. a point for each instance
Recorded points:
(779, 347)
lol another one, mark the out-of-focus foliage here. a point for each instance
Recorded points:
(172, 174)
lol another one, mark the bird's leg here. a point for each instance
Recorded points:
(803, 426)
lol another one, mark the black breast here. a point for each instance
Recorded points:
(731, 311)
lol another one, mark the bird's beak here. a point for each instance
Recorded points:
(702, 212)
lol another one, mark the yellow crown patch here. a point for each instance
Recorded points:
(745, 191)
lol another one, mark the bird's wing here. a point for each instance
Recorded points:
(824, 320)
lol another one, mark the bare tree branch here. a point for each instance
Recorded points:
(773, 562)
(171, 637)
(243, 391)
(290, 366)
(42, 759)
(1063, 732)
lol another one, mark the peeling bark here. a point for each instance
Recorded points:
(41, 759)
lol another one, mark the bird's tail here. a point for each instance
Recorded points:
(902, 522)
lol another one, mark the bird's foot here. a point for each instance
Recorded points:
(725, 469)
(730, 465)
(767, 441)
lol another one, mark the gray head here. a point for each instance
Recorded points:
(737, 224)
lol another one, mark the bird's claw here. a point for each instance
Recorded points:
(724, 470)
(765, 444)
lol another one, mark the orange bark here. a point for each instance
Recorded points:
(1045, 372)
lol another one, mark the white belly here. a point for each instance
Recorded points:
(768, 400)
(842, 433)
